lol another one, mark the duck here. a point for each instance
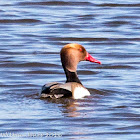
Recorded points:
(71, 54)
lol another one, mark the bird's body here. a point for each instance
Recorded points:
(71, 55)
(58, 90)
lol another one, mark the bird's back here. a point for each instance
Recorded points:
(56, 90)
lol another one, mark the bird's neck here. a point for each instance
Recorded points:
(71, 76)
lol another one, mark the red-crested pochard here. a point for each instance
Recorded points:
(71, 55)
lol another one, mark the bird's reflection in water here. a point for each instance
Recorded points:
(74, 113)
(68, 106)
(70, 109)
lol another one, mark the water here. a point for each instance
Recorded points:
(31, 36)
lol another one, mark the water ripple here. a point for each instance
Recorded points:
(22, 21)
(119, 5)
(55, 3)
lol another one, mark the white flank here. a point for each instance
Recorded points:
(80, 92)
